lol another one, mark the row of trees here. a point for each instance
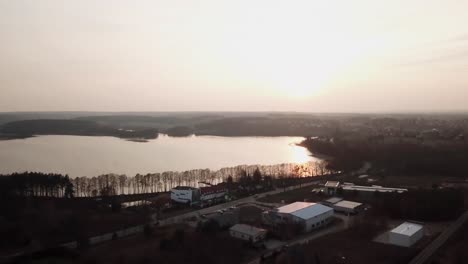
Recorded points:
(58, 185)
(36, 184)
(111, 184)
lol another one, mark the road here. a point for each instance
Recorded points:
(181, 218)
(250, 199)
(429, 251)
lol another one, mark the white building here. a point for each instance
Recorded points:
(311, 215)
(191, 195)
(247, 233)
(406, 234)
(185, 194)
(372, 189)
(347, 207)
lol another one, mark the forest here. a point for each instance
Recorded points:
(29, 184)
(411, 158)
(29, 128)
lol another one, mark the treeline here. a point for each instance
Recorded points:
(28, 184)
(114, 184)
(28, 128)
(409, 158)
(266, 126)
(57, 185)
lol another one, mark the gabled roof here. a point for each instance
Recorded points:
(304, 210)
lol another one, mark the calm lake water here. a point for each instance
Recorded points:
(92, 156)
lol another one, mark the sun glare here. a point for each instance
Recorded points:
(300, 155)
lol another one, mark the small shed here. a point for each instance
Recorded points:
(332, 201)
(247, 232)
(406, 234)
(347, 207)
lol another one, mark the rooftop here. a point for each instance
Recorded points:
(334, 184)
(407, 229)
(304, 210)
(184, 188)
(247, 229)
(334, 200)
(373, 188)
(348, 204)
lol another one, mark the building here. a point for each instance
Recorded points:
(331, 187)
(347, 207)
(247, 233)
(406, 234)
(372, 189)
(201, 196)
(332, 201)
(310, 215)
(185, 194)
(213, 192)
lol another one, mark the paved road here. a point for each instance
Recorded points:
(429, 251)
(250, 199)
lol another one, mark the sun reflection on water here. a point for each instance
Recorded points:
(300, 155)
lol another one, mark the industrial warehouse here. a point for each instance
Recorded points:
(310, 215)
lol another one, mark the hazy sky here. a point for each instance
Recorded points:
(222, 55)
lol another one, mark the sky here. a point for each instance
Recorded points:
(243, 55)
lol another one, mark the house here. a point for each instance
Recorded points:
(347, 207)
(406, 234)
(309, 215)
(331, 187)
(247, 233)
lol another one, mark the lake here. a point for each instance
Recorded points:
(92, 156)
